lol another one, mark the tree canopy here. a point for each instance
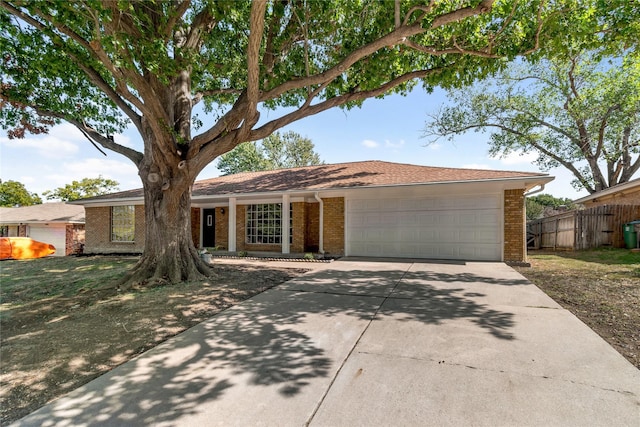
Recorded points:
(277, 151)
(581, 112)
(86, 187)
(536, 205)
(158, 66)
(14, 193)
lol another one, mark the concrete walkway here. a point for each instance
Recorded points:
(372, 343)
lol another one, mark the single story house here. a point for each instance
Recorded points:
(59, 224)
(621, 194)
(368, 208)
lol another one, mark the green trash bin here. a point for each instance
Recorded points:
(630, 235)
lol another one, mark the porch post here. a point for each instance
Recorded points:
(232, 224)
(286, 247)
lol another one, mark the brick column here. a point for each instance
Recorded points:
(299, 227)
(515, 249)
(333, 224)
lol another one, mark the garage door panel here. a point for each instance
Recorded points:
(461, 227)
(55, 236)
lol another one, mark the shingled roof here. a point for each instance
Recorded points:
(44, 213)
(336, 176)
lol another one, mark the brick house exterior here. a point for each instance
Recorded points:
(363, 209)
(515, 223)
(98, 238)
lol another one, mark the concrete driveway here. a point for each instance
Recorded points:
(372, 343)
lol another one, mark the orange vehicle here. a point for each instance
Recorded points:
(24, 248)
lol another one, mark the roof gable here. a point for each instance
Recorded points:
(47, 212)
(632, 185)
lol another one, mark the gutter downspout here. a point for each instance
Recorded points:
(321, 239)
(535, 191)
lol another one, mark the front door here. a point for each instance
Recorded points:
(209, 228)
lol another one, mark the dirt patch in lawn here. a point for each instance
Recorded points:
(58, 331)
(602, 288)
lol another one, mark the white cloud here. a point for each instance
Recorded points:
(435, 146)
(52, 146)
(517, 157)
(125, 173)
(390, 144)
(370, 143)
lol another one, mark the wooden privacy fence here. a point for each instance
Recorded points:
(582, 229)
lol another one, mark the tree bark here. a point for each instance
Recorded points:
(170, 255)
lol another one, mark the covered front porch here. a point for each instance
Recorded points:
(260, 224)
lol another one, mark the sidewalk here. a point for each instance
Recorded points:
(372, 343)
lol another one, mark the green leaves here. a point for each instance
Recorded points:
(568, 110)
(277, 151)
(14, 193)
(86, 187)
(104, 65)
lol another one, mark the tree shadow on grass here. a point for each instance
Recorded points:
(269, 349)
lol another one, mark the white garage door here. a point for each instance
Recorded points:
(463, 227)
(48, 234)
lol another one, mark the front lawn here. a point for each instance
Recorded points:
(601, 287)
(59, 330)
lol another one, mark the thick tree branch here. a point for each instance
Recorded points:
(454, 50)
(393, 38)
(202, 23)
(180, 8)
(269, 57)
(107, 143)
(465, 12)
(227, 123)
(603, 126)
(256, 25)
(309, 110)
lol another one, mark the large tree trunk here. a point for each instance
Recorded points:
(170, 255)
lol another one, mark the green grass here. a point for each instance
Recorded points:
(36, 279)
(602, 256)
(618, 262)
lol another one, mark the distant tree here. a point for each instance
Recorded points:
(86, 187)
(14, 193)
(536, 205)
(577, 111)
(277, 151)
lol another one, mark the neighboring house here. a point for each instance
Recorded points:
(621, 194)
(59, 224)
(370, 208)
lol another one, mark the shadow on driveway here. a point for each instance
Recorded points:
(282, 347)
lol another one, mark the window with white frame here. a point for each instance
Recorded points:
(264, 223)
(123, 223)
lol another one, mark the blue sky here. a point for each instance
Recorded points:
(387, 129)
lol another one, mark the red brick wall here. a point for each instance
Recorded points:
(299, 227)
(195, 226)
(98, 232)
(333, 226)
(75, 237)
(514, 226)
(222, 228)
